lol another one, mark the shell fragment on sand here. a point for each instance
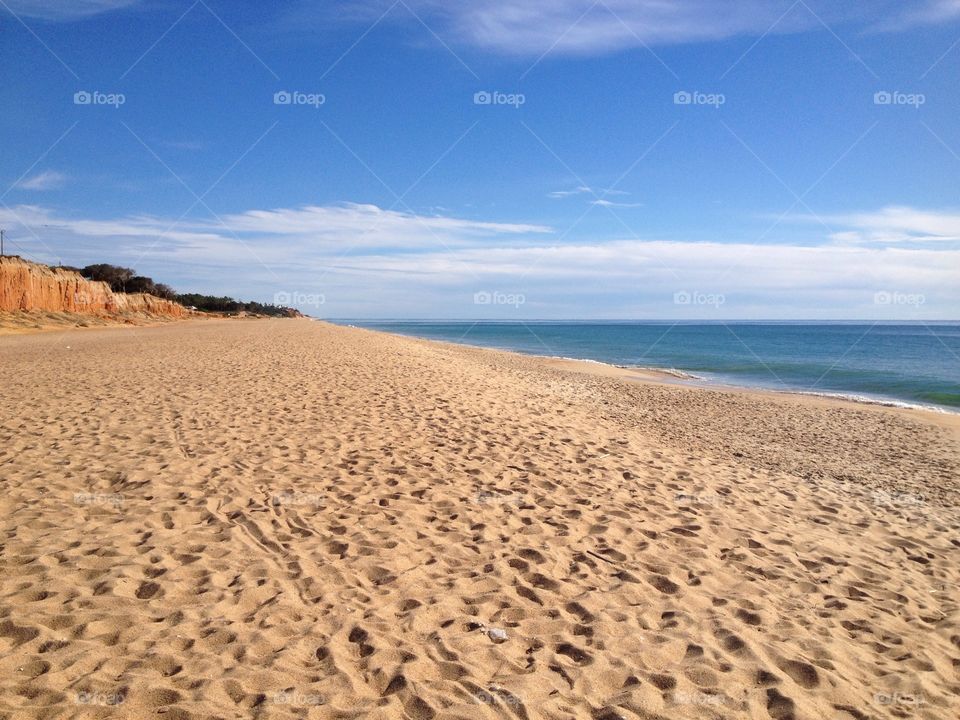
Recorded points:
(498, 635)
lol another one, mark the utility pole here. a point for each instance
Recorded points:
(2, 231)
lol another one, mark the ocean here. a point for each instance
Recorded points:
(904, 364)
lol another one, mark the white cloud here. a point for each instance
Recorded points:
(369, 224)
(599, 196)
(138, 227)
(46, 180)
(309, 229)
(582, 189)
(609, 203)
(937, 11)
(638, 279)
(65, 9)
(918, 14)
(533, 27)
(892, 225)
(372, 262)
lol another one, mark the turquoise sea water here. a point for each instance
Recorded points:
(903, 363)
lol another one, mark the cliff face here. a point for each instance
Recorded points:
(29, 286)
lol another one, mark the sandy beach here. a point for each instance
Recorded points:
(286, 518)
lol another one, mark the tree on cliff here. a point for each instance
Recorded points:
(126, 280)
(121, 279)
(141, 284)
(164, 291)
(115, 276)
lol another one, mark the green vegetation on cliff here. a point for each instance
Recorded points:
(126, 280)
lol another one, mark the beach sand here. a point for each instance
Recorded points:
(32, 321)
(284, 518)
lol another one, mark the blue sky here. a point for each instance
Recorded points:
(635, 159)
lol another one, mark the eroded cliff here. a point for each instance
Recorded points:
(29, 286)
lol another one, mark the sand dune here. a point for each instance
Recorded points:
(283, 518)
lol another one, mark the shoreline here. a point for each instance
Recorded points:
(942, 416)
(683, 378)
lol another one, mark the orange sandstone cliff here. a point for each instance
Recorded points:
(28, 286)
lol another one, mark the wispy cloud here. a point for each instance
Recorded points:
(585, 190)
(937, 11)
(366, 225)
(891, 225)
(582, 189)
(529, 27)
(64, 10)
(45, 222)
(308, 228)
(533, 27)
(917, 14)
(46, 180)
(368, 261)
(601, 202)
